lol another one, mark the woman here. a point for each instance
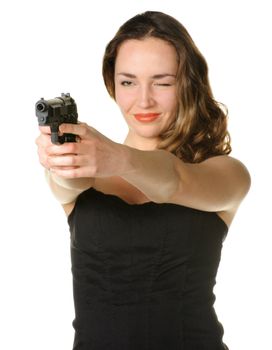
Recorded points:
(148, 217)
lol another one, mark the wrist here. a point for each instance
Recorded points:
(67, 190)
(70, 184)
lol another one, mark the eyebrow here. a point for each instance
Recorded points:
(156, 76)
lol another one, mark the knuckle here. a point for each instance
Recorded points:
(84, 129)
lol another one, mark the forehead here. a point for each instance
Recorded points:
(149, 53)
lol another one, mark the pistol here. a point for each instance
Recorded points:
(55, 112)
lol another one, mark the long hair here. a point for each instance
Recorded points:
(199, 130)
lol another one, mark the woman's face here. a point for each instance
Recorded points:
(145, 88)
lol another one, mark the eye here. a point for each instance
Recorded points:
(163, 84)
(126, 83)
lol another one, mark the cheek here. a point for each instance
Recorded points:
(125, 106)
(123, 100)
(169, 102)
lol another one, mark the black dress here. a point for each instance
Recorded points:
(143, 275)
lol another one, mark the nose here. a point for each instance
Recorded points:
(145, 97)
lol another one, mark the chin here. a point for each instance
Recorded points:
(148, 134)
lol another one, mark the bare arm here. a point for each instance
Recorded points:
(152, 172)
(67, 190)
(216, 184)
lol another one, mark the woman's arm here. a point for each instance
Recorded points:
(152, 172)
(67, 190)
(216, 184)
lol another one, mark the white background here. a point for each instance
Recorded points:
(49, 47)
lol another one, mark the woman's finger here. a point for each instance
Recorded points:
(45, 130)
(64, 161)
(43, 140)
(81, 129)
(65, 148)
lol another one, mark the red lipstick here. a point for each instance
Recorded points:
(146, 117)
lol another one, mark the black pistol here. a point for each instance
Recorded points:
(55, 112)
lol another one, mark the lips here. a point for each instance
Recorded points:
(146, 117)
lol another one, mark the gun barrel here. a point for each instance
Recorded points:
(56, 111)
(41, 107)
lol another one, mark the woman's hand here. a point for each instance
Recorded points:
(94, 155)
(43, 141)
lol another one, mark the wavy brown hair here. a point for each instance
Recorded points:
(199, 130)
